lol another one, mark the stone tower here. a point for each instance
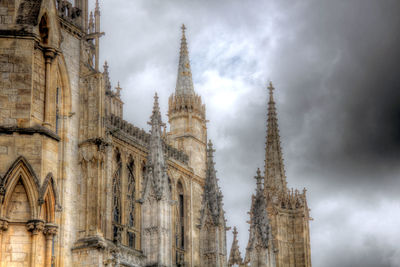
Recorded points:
(234, 256)
(187, 115)
(156, 199)
(260, 250)
(212, 219)
(287, 210)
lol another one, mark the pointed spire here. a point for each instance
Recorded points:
(212, 197)
(97, 8)
(106, 76)
(155, 119)
(275, 178)
(91, 22)
(156, 174)
(184, 82)
(234, 255)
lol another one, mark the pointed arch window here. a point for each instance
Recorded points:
(130, 204)
(116, 193)
(180, 225)
(181, 215)
(58, 109)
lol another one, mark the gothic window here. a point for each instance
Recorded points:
(116, 192)
(58, 103)
(131, 239)
(131, 194)
(181, 216)
(130, 204)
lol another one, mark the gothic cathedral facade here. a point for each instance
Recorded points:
(80, 186)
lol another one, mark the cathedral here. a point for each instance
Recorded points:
(81, 186)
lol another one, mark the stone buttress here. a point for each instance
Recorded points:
(156, 200)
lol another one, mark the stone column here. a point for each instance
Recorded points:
(49, 55)
(50, 230)
(3, 227)
(35, 227)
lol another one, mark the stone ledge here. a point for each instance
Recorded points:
(29, 131)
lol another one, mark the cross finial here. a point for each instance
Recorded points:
(118, 88)
(183, 28)
(235, 232)
(271, 87)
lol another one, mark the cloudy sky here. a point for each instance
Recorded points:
(336, 69)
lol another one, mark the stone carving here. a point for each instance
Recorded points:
(35, 226)
(3, 225)
(50, 230)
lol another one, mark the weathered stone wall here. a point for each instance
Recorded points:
(15, 81)
(189, 133)
(38, 90)
(70, 177)
(8, 11)
(290, 230)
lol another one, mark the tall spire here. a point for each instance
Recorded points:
(275, 178)
(184, 82)
(234, 255)
(156, 175)
(212, 197)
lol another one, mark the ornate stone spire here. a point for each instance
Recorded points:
(260, 234)
(212, 197)
(234, 256)
(156, 175)
(275, 178)
(259, 212)
(212, 219)
(184, 83)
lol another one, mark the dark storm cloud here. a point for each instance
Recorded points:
(347, 87)
(335, 66)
